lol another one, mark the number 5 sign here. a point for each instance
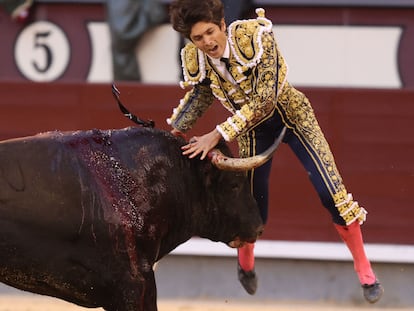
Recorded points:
(42, 52)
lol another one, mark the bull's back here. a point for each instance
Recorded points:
(41, 173)
(39, 179)
(62, 179)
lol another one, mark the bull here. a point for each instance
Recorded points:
(84, 215)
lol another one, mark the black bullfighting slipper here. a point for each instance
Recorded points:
(248, 279)
(373, 292)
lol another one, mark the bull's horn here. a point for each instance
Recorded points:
(244, 164)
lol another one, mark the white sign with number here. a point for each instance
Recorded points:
(42, 52)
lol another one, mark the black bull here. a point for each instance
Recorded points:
(85, 215)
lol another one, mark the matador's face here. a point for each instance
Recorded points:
(210, 38)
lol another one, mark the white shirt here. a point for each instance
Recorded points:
(221, 66)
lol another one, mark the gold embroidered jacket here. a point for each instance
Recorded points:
(255, 64)
(259, 71)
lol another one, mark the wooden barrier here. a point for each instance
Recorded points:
(370, 133)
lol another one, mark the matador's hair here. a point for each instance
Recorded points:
(185, 13)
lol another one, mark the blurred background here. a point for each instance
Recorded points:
(352, 58)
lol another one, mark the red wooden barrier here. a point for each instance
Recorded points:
(370, 132)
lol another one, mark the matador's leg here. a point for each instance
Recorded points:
(310, 146)
(255, 142)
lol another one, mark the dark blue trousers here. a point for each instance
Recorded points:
(260, 138)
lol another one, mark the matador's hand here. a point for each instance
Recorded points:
(201, 145)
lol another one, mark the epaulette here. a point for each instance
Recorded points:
(245, 38)
(194, 66)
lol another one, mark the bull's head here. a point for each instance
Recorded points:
(244, 164)
(233, 194)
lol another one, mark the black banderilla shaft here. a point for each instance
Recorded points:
(127, 113)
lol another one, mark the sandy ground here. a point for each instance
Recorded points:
(40, 303)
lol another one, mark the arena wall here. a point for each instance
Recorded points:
(369, 131)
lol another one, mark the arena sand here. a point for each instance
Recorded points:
(41, 303)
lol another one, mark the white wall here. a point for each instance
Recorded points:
(342, 56)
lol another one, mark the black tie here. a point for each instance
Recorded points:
(226, 61)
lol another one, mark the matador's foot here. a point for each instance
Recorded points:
(248, 279)
(373, 292)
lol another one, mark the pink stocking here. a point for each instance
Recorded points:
(352, 237)
(246, 257)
